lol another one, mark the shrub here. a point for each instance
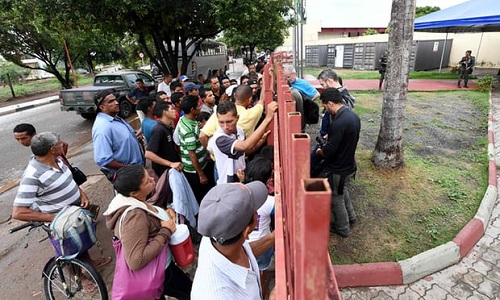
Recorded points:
(485, 83)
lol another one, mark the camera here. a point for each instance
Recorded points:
(321, 141)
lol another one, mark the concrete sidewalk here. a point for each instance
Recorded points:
(27, 105)
(429, 85)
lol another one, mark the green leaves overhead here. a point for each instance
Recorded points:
(162, 29)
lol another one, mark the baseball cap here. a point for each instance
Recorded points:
(190, 86)
(100, 95)
(252, 81)
(228, 208)
(183, 78)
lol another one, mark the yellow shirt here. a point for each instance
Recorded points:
(247, 121)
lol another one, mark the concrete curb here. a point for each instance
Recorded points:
(426, 263)
(430, 261)
(28, 105)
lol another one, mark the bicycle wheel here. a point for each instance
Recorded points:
(75, 279)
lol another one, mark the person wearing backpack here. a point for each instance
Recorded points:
(47, 186)
(304, 95)
(144, 231)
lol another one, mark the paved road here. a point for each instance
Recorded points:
(72, 129)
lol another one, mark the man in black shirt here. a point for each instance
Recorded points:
(161, 148)
(339, 162)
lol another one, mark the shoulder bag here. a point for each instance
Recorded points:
(78, 176)
(146, 283)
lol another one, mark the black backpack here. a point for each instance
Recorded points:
(311, 110)
(349, 100)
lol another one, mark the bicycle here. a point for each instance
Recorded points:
(62, 277)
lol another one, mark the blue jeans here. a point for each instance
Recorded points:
(264, 260)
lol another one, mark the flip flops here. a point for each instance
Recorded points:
(89, 287)
(103, 261)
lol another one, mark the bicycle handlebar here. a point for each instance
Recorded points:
(31, 224)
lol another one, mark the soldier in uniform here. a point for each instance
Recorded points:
(466, 65)
(383, 68)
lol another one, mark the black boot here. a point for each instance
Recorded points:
(465, 85)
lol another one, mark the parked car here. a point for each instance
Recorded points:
(81, 71)
(81, 100)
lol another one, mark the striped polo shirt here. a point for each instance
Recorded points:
(189, 137)
(48, 188)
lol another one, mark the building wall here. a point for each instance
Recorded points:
(488, 55)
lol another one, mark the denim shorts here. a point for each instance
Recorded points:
(264, 260)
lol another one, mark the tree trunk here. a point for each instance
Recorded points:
(388, 153)
(11, 87)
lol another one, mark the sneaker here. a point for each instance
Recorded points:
(458, 86)
(465, 86)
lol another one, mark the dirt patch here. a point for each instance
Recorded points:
(406, 212)
(27, 98)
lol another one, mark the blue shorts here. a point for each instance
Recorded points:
(264, 260)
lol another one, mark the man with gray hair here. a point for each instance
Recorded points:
(300, 89)
(47, 182)
(47, 187)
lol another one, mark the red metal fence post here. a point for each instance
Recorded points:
(302, 210)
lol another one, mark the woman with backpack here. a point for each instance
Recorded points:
(143, 232)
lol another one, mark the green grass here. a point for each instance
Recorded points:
(37, 86)
(406, 212)
(373, 74)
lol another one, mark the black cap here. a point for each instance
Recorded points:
(100, 95)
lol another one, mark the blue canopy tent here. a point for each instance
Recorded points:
(471, 16)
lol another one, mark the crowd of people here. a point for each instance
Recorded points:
(210, 169)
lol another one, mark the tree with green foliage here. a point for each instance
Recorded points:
(370, 31)
(40, 30)
(256, 24)
(425, 10)
(12, 70)
(23, 35)
(164, 30)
